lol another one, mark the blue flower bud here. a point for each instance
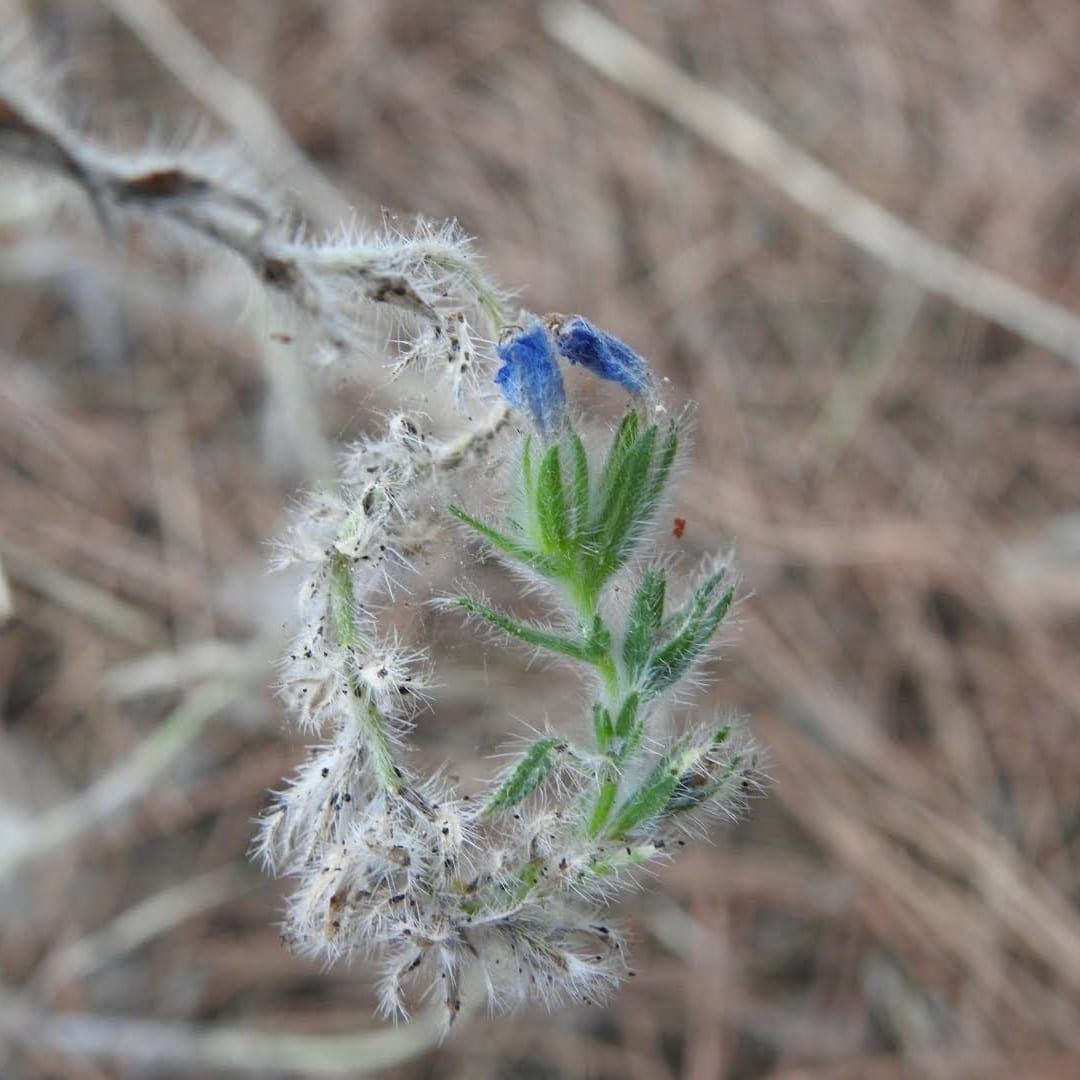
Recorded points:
(530, 378)
(603, 354)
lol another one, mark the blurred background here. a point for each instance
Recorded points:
(898, 473)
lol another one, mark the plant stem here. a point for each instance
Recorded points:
(614, 695)
(343, 604)
(586, 607)
(347, 635)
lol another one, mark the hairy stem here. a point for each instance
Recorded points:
(370, 722)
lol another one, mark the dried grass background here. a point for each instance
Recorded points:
(899, 476)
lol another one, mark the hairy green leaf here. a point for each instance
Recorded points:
(510, 547)
(602, 726)
(632, 481)
(550, 501)
(531, 770)
(662, 469)
(629, 727)
(627, 718)
(619, 519)
(649, 488)
(532, 635)
(609, 788)
(579, 491)
(696, 603)
(624, 439)
(649, 800)
(646, 615)
(523, 493)
(672, 661)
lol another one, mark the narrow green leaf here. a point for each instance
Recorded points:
(624, 722)
(629, 727)
(528, 481)
(602, 727)
(645, 803)
(670, 663)
(579, 491)
(620, 520)
(649, 487)
(531, 635)
(619, 503)
(542, 564)
(624, 439)
(529, 876)
(609, 788)
(652, 796)
(610, 489)
(531, 770)
(696, 603)
(632, 484)
(550, 502)
(662, 467)
(646, 615)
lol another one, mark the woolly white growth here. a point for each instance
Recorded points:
(312, 684)
(394, 678)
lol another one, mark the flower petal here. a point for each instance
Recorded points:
(530, 378)
(580, 342)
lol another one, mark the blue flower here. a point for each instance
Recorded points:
(530, 378)
(603, 354)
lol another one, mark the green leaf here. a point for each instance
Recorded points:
(629, 727)
(609, 788)
(579, 491)
(550, 503)
(652, 796)
(632, 482)
(531, 635)
(528, 485)
(619, 519)
(542, 564)
(646, 615)
(670, 663)
(624, 439)
(646, 479)
(624, 722)
(662, 468)
(602, 726)
(609, 482)
(696, 603)
(532, 769)
(646, 802)
(688, 631)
